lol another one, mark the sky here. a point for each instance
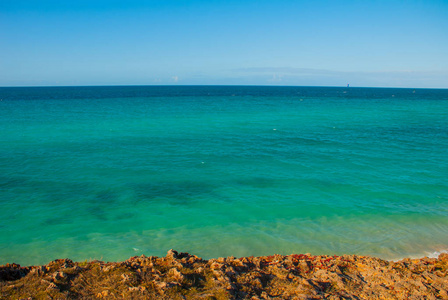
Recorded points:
(224, 42)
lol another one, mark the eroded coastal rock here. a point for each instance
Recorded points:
(186, 276)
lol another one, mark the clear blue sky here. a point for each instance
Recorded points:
(326, 43)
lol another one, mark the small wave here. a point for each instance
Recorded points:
(436, 254)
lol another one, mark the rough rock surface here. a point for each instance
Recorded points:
(185, 276)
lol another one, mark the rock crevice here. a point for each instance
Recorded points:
(185, 276)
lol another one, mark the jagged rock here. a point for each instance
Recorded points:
(160, 285)
(175, 274)
(58, 275)
(137, 288)
(215, 265)
(103, 294)
(52, 286)
(107, 268)
(221, 260)
(10, 272)
(268, 277)
(443, 257)
(172, 254)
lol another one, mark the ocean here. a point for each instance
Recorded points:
(112, 172)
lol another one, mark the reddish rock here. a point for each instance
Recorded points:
(185, 276)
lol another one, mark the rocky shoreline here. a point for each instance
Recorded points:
(186, 276)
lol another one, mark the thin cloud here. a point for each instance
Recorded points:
(309, 76)
(284, 70)
(311, 71)
(276, 78)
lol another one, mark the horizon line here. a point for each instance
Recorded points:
(215, 85)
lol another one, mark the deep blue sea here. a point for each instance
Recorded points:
(112, 172)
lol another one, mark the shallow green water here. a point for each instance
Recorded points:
(112, 172)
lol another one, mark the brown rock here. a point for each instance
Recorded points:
(443, 257)
(103, 294)
(181, 275)
(52, 286)
(175, 274)
(172, 253)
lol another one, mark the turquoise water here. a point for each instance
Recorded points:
(112, 172)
